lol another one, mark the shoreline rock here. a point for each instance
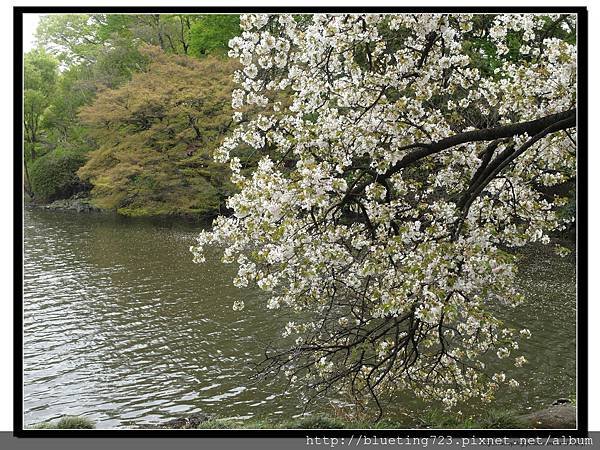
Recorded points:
(79, 202)
(560, 415)
(186, 422)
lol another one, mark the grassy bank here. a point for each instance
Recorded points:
(66, 423)
(433, 419)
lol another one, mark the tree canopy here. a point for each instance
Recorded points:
(39, 88)
(156, 135)
(41, 73)
(212, 33)
(413, 153)
(85, 56)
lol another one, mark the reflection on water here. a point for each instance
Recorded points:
(550, 312)
(121, 327)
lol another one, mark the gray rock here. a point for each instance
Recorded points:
(562, 416)
(78, 203)
(176, 423)
(186, 422)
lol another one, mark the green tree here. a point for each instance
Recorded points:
(40, 75)
(155, 136)
(170, 32)
(97, 52)
(105, 44)
(211, 33)
(72, 38)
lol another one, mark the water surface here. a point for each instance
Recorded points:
(120, 326)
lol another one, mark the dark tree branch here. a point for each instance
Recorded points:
(504, 161)
(487, 134)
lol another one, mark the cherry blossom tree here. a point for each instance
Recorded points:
(404, 158)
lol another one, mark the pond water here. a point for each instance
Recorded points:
(120, 326)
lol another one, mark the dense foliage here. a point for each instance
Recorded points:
(413, 153)
(211, 33)
(156, 135)
(41, 73)
(100, 53)
(54, 175)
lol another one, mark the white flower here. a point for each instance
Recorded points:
(237, 98)
(525, 333)
(273, 303)
(238, 305)
(499, 377)
(519, 361)
(503, 352)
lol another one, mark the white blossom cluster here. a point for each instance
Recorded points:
(392, 279)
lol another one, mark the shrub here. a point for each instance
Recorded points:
(54, 176)
(217, 424)
(67, 423)
(315, 422)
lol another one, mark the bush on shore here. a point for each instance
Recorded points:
(67, 423)
(54, 175)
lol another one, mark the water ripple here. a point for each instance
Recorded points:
(120, 326)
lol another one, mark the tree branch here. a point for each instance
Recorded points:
(567, 118)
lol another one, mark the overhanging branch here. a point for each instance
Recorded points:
(532, 127)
